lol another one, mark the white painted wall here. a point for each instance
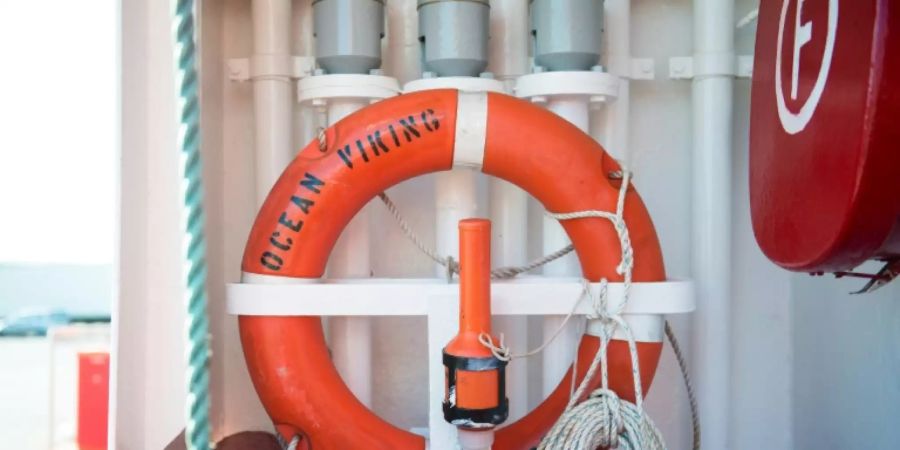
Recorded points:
(794, 384)
(846, 365)
(762, 390)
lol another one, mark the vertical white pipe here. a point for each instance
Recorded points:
(561, 352)
(475, 440)
(508, 59)
(508, 46)
(339, 108)
(617, 23)
(350, 337)
(271, 94)
(712, 130)
(456, 198)
(509, 245)
(402, 55)
(573, 108)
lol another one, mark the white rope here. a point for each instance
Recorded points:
(500, 273)
(603, 419)
(503, 353)
(688, 384)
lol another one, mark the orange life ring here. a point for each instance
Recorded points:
(376, 148)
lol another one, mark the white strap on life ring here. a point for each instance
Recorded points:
(471, 130)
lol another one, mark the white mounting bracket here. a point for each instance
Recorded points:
(319, 89)
(469, 84)
(596, 86)
(688, 67)
(245, 69)
(438, 300)
(642, 69)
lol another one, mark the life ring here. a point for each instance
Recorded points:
(331, 179)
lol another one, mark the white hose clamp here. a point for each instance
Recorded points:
(271, 66)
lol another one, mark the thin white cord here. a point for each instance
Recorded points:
(452, 266)
(502, 352)
(688, 384)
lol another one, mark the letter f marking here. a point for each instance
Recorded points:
(802, 36)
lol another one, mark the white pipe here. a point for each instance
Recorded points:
(475, 440)
(456, 198)
(509, 245)
(573, 108)
(272, 99)
(508, 59)
(350, 337)
(338, 108)
(711, 261)
(508, 46)
(402, 55)
(558, 356)
(617, 23)
(351, 352)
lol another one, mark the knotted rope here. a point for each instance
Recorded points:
(603, 419)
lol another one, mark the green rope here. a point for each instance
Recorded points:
(197, 431)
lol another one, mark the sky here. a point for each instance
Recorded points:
(58, 131)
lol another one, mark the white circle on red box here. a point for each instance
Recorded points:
(794, 122)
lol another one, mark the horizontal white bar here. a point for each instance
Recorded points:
(410, 297)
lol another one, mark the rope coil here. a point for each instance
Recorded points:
(604, 421)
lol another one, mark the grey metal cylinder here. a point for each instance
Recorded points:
(567, 33)
(348, 34)
(454, 36)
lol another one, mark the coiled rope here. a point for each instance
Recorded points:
(197, 432)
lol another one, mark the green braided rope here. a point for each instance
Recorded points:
(197, 431)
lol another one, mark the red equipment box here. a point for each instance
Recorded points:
(93, 400)
(825, 133)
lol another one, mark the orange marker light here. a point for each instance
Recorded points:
(475, 395)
